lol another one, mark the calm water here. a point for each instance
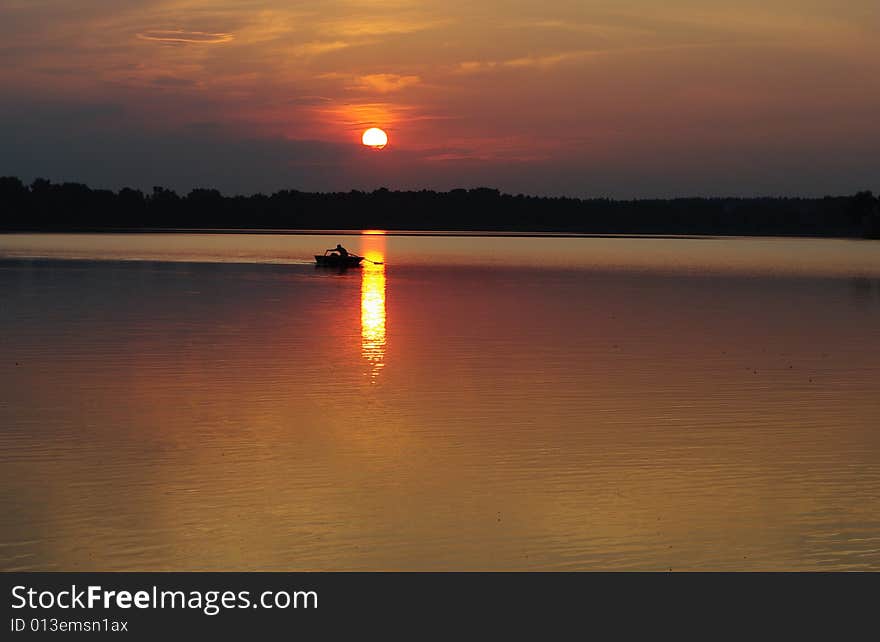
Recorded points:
(214, 402)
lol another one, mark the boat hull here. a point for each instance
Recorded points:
(334, 260)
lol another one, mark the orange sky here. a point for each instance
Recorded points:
(582, 97)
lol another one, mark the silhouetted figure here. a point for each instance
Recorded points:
(340, 250)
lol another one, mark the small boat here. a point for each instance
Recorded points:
(334, 259)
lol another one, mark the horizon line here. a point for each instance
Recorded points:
(383, 189)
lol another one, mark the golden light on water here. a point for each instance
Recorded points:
(373, 311)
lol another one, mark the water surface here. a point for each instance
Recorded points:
(214, 402)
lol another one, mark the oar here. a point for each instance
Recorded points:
(371, 261)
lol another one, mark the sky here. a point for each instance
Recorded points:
(595, 98)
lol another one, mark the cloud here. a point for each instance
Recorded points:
(454, 155)
(308, 100)
(386, 83)
(183, 37)
(396, 25)
(173, 81)
(476, 66)
(546, 61)
(552, 60)
(317, 48)
(351, 116)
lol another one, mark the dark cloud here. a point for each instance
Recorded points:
(309, 100)
(57, 115)
(96, 147)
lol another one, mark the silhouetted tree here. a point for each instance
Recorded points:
(866, 210)
(45, 206)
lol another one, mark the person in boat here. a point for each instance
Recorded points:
(340, 250)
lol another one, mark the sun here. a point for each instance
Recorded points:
(375, 138)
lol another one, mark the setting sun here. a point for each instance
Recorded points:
(375, 138)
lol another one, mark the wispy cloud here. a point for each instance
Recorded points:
(183, 37)
(477, 66)
(316, 48)
(551, 60)
(374, 83)
(507, 149)
(392, 25)
(386, 83)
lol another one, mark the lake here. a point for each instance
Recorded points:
(216, 402)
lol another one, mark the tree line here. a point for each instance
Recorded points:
(47, 206)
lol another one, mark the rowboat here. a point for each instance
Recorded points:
(334, 259)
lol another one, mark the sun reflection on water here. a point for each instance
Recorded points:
(373, 312)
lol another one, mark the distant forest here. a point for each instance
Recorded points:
(47, 206)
